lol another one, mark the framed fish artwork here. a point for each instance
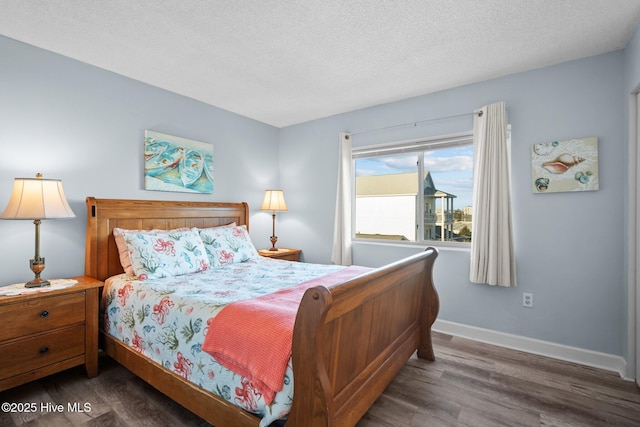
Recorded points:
(172, 163)
(570, 165)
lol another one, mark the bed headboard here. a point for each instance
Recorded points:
(101, 255)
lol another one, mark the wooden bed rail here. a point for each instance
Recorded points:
(349, 342)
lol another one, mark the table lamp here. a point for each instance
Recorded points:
(273, 201)
(37, 199)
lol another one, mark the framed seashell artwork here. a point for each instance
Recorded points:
(172, 163)
(570, 165)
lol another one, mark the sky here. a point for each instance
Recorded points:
(451, 169)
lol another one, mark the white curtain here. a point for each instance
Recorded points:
(341, 252)
(492, 251)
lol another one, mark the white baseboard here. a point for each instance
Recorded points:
(581, 356)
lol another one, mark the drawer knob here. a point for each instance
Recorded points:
(43, 350)
(45, 313)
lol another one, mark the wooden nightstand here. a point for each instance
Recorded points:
(282, 253)
(48, 332)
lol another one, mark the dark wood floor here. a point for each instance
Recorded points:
(470, 384)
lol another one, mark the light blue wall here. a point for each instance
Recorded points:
(569, 246)
(86, 126)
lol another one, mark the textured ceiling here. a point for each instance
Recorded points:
(285, 62)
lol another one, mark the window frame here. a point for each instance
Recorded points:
(418, 146)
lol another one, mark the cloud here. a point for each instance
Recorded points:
(365, 172)
(448, 164)
(452, 185)
(386, 165)
(401, 164)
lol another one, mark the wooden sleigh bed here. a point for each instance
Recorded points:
(348, 342)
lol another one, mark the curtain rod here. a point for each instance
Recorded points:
(416, 123)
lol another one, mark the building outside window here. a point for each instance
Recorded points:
(415, 191)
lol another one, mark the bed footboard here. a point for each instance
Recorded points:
(351, 340)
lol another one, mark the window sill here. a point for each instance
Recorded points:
(441, 246)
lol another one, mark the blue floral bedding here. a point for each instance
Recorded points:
(166, 321)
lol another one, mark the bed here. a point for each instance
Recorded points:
(349, 340)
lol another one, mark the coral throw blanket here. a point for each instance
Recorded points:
(253, 337)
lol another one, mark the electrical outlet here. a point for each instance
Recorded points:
(527, 300)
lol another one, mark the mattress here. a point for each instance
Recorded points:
(166, 320)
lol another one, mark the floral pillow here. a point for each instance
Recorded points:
(123, 251)
(228, 245)
(165, 253)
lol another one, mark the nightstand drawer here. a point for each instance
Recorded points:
(290, 257)
(41, 314)
(41, 350)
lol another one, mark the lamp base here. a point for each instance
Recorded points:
(37, 265)
(37, 283)
(273, 239)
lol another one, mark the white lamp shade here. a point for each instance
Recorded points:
(37, 198)
(274, 201)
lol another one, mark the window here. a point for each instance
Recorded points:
(415, 191)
